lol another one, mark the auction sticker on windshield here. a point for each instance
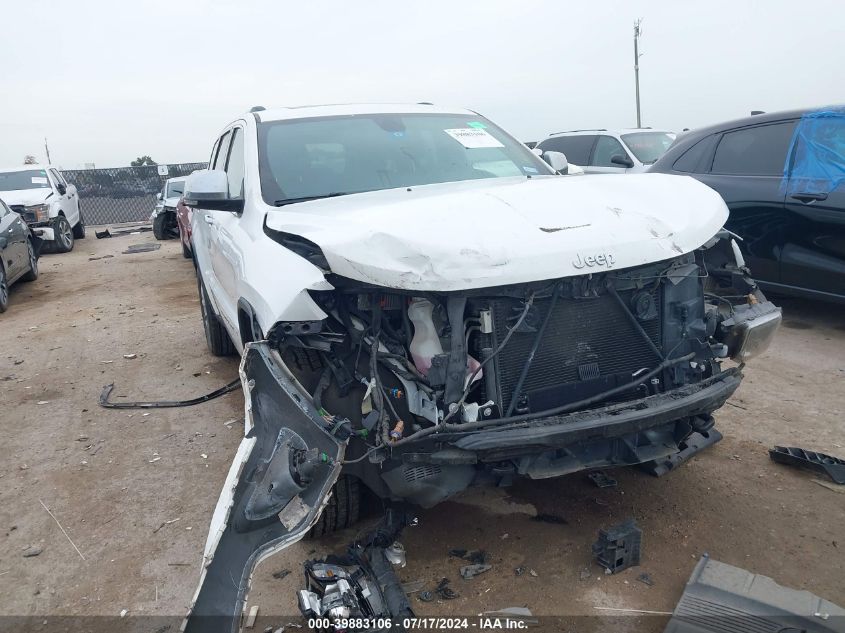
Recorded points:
(473, 137)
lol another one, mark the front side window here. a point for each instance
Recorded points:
(319, 157)
(222, 151)
(648, 146)
(754, 151)
(27, 179)
(606, 148)
(235, 166)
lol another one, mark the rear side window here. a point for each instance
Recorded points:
(606, 148)
(576, 148)
(691, 161)
(754, 151)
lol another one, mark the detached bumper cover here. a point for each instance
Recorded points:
(273, 493)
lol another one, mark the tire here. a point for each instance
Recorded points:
(216, 335)
(160, 227)
(4, 289)
(342, 510)
(186, 252)
(79, 229)
(64, 235)
(32, 275)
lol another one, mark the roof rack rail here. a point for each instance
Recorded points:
(592, 129)
(425, 103)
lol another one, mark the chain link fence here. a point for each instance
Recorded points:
(122, 194)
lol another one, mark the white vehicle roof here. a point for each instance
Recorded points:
(610, 131)
(310, 111)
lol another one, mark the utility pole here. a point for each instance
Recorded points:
(47, 149)
(637, 33)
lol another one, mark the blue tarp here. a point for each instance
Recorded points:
(817, 153)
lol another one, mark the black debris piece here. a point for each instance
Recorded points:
(693, 445)
(476, 556)
(281, 573)
(833, 467)
(164, 404)
(518, 571)
(602, 479)
(471, 571)
(720, 597)
(645, 579)
(550, 518)
(445, 591)
(619, 547)
(425, 596)
(142, 248)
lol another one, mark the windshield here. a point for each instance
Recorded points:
(320, 157)
(29, 179)
(648, 146)
(175, 189)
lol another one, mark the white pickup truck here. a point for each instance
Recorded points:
(46, 201)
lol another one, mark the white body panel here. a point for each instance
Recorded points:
(495, 232)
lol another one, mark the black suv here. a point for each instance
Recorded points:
(783, 177)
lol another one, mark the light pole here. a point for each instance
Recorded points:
(637, 33)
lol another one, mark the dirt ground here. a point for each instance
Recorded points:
(134, 492)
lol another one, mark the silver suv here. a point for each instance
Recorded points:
(610, 151)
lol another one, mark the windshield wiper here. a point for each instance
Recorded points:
(285, 201)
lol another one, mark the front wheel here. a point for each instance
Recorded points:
(342, 510)
(216, 335)
(160, 226)
(32, 275)
(63, 235)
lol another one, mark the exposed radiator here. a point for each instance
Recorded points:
(589, 346)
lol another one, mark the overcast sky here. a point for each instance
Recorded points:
(108, 81)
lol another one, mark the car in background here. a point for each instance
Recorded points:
(48, 204)
(782, 175)
(610, 151)
(164, 215)
(18, 252)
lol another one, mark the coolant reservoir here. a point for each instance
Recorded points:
(425, 344)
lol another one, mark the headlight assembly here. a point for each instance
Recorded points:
(40, 212)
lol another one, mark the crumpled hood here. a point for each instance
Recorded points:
(25, 197)
(484, 233)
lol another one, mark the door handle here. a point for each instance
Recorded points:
(809, 197)
(209, 219)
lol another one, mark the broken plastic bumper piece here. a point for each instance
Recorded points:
(276, 488)
(720, 597)
(828, 465)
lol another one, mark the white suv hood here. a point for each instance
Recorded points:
(484, 233)
(25, 197)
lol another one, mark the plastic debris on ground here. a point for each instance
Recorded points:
(618, 547)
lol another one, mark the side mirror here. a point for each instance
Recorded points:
(61, 189)
(209, 189)
(158, 196)
(557, 161)
(622, 161)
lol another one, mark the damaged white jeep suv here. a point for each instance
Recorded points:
(422, 303)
